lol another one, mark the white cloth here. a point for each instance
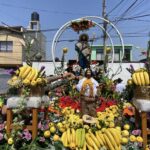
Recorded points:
(142, 104)
(14, 102)
(87, 91)
(120, 87)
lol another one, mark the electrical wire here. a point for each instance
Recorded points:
(115, 7)
(124, 13)
(41, 10)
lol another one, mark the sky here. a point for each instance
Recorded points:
(133, 24)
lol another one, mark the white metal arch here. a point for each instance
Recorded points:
(66, 25)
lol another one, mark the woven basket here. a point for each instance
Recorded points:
(142, 92)
(34, 91)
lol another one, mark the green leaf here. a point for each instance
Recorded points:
(58, 145)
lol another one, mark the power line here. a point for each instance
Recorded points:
(42, 10)
(115, 7)
(134, 17)
(124, 13)
(137, 6)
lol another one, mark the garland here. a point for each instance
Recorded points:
(81, 25)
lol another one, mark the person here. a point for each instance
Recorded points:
(120, 87)
(87, 87)
(84, 51)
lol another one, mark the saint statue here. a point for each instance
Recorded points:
(84, 51)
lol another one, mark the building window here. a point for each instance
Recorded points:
(127, 55)
(6, 46)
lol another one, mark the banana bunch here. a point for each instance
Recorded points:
(92, 142)
(28, 73)
(68, 138)
(141, 77)
(110, 139)
(28, 76)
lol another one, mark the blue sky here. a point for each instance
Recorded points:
(55, 13)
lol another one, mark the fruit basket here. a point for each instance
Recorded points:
(29, 78)
(142, 92)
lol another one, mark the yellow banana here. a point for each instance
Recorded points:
(64, 139)
(73, 132)
(26, 82)
(22, 70)
(108, 142)
(99, 138)
(94, 139)
(116, 134)
(146, 77)
(26, 72)
(137, 74)
(32, 74)
(88, 139)
(142, 78)
(102, 137)
(84, 146)
(89, 147)
(134, 78)
(68, 136)
(28, 76)
(111, 138)
(36, 75)
(91, 142)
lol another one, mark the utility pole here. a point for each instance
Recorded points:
(104, 35)
(148, 55)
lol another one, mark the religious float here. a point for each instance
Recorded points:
(75, 112)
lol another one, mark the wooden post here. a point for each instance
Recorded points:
(144, 128)
(9, 120)
(34, 122)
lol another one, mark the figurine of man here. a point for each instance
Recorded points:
(87, 87)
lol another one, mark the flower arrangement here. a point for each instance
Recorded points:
(81, 25)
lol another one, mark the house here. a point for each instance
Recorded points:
(11, 48)
(97, 52)
(16, 42)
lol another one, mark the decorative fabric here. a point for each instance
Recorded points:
(87, 84)
(87, 87)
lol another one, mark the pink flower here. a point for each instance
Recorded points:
(39, 125)
(1, 136)
(136, 132)
(27, 136)
(42, 139)
(2, 127)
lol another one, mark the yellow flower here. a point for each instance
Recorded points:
(47, 134)
(10, 141)
(124, 140)
(139, 139)
(111, 125)
(132, 138)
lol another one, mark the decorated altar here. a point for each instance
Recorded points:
(47, 112)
